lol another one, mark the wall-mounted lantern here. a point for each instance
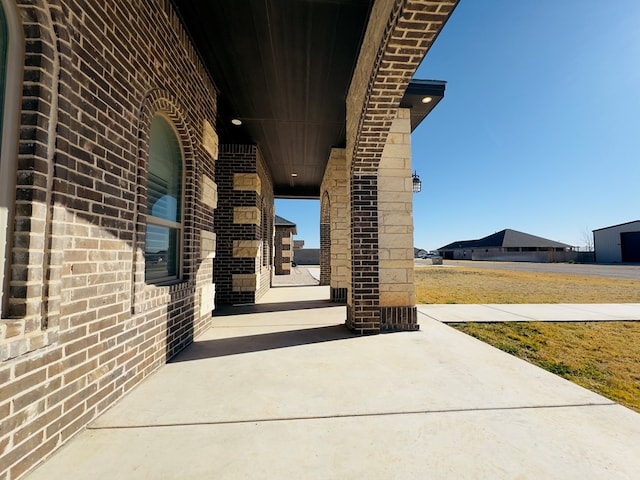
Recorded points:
(417, 184)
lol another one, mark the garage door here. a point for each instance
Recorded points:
(630, 245)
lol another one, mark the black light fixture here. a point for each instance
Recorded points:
(417, 184)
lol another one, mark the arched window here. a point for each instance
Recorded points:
(164, 203)
(11, 54)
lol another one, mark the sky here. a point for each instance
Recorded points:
(539, 129)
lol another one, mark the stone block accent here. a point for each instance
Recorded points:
(207, 244)
(245, 282)
(207, 299)
(247, 182)
(246, 215)
(209, 192)
(246, 248)
(209, 139)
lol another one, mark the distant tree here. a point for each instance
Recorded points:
(587, 238)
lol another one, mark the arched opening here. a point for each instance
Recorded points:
(11, 54)
(163, 239)
(297, 242)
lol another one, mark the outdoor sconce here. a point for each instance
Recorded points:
(417, 184)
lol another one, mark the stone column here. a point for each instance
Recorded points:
(334, 229)
(395, 229)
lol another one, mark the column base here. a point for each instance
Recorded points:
(339, 295)
(383, 319)
(399, 319)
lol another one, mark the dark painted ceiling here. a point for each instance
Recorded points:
(283, 68)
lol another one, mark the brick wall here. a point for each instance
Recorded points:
(83, 326)
(241, 275)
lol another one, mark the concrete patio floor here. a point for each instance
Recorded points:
(283, 390)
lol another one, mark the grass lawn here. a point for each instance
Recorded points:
(601, 356)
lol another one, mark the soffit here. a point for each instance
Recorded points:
(283, 68)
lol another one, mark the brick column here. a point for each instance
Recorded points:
(398, 35)
(325, 239)
(284, 250)
(238, 221)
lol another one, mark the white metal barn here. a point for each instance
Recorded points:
(618, 243)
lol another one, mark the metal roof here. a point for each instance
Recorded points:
(283, 222)
(616, 226)
(507, 239)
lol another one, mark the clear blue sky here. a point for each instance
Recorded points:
(539, 130)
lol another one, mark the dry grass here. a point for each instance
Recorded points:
(603, 357)
(480, 285)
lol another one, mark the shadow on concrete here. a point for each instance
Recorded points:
(229, 310)
(284, 285)
(257, 343)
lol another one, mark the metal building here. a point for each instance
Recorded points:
(618, 243)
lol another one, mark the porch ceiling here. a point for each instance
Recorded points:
(283, 68)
